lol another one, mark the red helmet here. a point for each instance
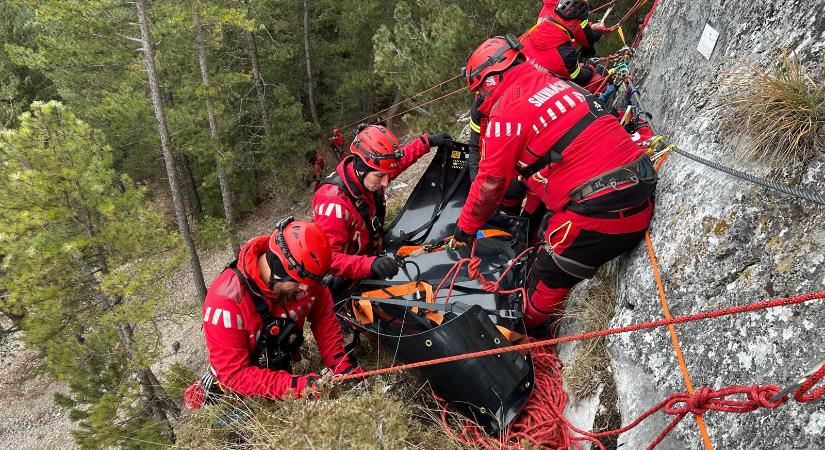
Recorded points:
(494, 55)
(303, 250)
(573, 9)
(336, 131)
(379, 148)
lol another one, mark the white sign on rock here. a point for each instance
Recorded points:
(708, 41)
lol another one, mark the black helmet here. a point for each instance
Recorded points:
(573, 9)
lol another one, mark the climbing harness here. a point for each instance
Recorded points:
(279, 338)
(374, 223)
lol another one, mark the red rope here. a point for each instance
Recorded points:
(542, 422)
(539, 424)
(712, 314)
(801, 395)
(638, 38)
(701, 401)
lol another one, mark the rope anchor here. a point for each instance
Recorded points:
(809, 375)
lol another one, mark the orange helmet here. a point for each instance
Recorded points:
(303, 251)
(494, 55)
(378, 148)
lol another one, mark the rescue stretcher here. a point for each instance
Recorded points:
(408, 316)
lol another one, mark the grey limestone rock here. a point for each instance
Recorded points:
(721, 241)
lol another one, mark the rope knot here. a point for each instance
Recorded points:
(698, 403)
(474, 268)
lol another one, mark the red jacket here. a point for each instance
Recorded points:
(548, 45)
(318, 167)
(337, 140)
(231, 325)
(349, 236)
(532, 110)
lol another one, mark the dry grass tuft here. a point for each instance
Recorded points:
(782, 111)
(591, 311)
(393, 411)
(357, 417)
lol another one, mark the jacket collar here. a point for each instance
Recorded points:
(346, 170)
(248, 264)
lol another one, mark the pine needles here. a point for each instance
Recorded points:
(782, 111)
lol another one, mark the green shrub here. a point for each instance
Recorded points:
(212, 233)
(371, 420)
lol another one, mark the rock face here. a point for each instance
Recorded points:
(721, 241)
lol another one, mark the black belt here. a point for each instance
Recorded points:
(617, 214)
(636, 172)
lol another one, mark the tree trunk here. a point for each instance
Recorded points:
(193, 198)
(310, 78)
(260, 89)
(160, 115)
(396, 105)
(214, 133)
(156, 398)
(257, 80)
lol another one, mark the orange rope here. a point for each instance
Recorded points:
(703, 430)
(401, 102)
(672, 330)
(429, 101)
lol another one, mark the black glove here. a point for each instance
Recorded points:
(587, 51)
(438, 140)
(460, 238)
(384, 267)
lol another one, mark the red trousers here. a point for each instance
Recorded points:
(576, 246)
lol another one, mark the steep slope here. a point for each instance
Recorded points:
(721, 241)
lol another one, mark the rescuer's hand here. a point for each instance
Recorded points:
(384, 267)
(600, 27)
(438, 139)
(308, 385)
(459, 239)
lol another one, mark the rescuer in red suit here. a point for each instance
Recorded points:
(255, 310)
(336, 143)
(350, 205)
(562, 33)
(573, 156)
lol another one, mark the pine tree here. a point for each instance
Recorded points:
(83, 260)
(19, 85)
(429, 41)
(163, 132)
(214, 132)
